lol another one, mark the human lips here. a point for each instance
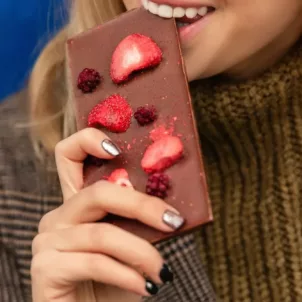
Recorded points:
(189, 15)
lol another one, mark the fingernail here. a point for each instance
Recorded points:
(151, 288)
(110, 147)
(166, 274)
(173, 220)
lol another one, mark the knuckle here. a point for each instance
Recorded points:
(99, 185)
(94, 266)
(45, 222)
(93, 232)
(96, 232)
(42, 263)
(94, 263)
(96, 189)
(52, 220)
(59, 147)
(39, 243)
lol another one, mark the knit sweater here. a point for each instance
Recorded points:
(251, 134)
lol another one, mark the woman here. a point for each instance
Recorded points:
(250, 121)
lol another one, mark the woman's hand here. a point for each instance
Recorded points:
(76, 259)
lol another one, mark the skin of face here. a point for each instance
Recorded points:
(240, 38)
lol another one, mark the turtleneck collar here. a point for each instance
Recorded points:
(241, 119)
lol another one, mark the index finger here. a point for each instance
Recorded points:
(71, 152)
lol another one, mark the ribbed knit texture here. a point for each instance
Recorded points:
(251, 134)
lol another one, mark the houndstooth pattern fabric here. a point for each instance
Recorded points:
(190, 280)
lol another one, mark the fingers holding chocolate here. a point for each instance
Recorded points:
(71, 153)
(96, 201)
(64, 271)
(108, 240)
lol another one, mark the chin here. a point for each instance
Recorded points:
(201, 70)
(194, 74)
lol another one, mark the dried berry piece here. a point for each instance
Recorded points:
(88, 80)
(114, 113)
(162, 154)
(145, 115)
(120, 177)
(136, 52)
(158, 185)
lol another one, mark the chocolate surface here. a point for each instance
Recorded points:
(166, 88)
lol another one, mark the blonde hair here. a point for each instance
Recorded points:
(51, 117)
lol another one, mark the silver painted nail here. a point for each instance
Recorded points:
(110, 147)
(173, 220)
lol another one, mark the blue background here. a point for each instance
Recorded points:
(25, 27)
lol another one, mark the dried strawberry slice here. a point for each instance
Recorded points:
(162, 154)
(120, 177)
(136, 52)
(114, 113)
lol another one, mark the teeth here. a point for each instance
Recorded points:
(179, 12)
(203, 11)
(153, 8)
(191, 12)
(167, 11)
(145, 4)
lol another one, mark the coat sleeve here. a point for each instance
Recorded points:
(10, 285)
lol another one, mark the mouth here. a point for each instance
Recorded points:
(184, 15)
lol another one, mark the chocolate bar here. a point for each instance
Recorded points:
(128, 79)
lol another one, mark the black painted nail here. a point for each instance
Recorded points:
(166, 274)
(110, 147)
(151, 288)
